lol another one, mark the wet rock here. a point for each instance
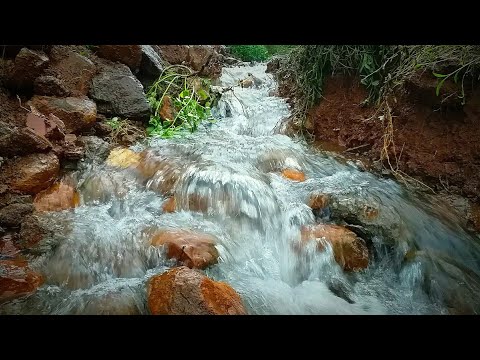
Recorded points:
(73, 148)
(130, 55)
(446, 280)
(60, 196)
(213, 68)
(13, 214)
(183, 291)
(33, 173)
(96, 149)
(23, 141)
(293, 174)
(52, 127)
(170, 205)
(28, 65)
(48, 85)
(247, 83)
(76, 113)
(127, 100)
(150, 67)
(74, 72)
(174, 54)
(123, 158)
(350, 251)
(7, 247)
(192, 249)
(318, 201)
(32, 232)
(163, 172)
(17, 280)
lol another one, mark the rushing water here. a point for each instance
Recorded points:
(99, 259)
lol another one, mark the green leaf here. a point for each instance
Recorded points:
(437, 90)
(203, 94)
(439, 75)
(455, 78)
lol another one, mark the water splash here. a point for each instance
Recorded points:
(227, 182)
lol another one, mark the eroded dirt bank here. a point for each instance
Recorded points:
(438, 145)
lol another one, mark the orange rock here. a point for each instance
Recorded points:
(59, 196)
(162, 171)
(293, 174)
(350, 252)
(170, 205)
(318, 201)
(183, 291)
(17, 280)
(195, 250)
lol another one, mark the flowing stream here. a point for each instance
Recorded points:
(99, 259)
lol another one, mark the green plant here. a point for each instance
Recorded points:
(279, 49)
(249, 52)
(191, 104)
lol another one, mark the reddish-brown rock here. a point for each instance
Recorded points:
(174, 54)
(76, 113)
(17, 280)
(28, 65)
(30, 141)
(183, 291)
(73, 71)
(192, 249)
(350, 251)
(33, 173)
(198, 56)
(293, 174)
(130, 55)
(59, 196)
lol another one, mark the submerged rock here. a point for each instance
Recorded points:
(293, 174)
(350, 251)
(183, 291)
(192, 249)
(60, 196)
(32, 232)
(446, 280)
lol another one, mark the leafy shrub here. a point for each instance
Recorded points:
(249, 52)
(191, 103)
